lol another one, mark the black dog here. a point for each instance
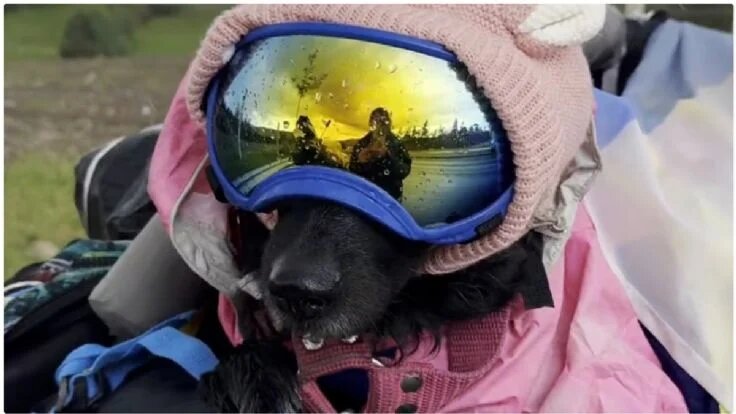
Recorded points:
(328, 272)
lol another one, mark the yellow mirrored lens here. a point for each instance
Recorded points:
(400, 119)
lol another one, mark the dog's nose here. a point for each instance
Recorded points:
(303, 296)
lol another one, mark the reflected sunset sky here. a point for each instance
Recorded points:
(358, 77)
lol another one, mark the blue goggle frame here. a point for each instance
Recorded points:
(336, 185)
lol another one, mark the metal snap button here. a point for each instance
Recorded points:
(411, 383)
(407, 408)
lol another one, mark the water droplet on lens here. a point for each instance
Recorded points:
(392, 68)
(330, 95)
(346, 106)
(317, 96)
(378, 65)
(385, 172)
(344, 83)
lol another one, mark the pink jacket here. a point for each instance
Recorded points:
(588, 354)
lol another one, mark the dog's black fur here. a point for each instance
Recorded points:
(379, 292)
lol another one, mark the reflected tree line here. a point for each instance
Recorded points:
(412, 138)
(383, 155)
(415, 138)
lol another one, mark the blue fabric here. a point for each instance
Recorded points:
(612, 114)
(697, 399)
(105, 369)
(679, 59)
(675, 66)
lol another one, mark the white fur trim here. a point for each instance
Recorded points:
(564, 24)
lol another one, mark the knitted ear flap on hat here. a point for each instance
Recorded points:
(560, 25)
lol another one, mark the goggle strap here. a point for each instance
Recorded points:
(215, 185)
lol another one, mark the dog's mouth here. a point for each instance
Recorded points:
(312, 344)
(331, 279)
(314, 329)
(331, 324)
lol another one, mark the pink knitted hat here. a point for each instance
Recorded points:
(527, 59)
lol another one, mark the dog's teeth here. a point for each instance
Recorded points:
(312, 345)
(377, 363)
(350, 339)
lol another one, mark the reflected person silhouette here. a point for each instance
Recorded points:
(380, 157)
(309, 148)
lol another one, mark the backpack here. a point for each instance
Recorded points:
(47, 315)
(110, 190)
(156, 371)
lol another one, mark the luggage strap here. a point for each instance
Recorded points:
(91, 371)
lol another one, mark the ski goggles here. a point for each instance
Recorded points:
(391, 126)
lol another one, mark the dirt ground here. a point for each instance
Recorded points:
(55, 112)
(68, 107)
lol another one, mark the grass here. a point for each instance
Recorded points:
(175, 35)
(39, 206)
(35, 32)
(48, 96)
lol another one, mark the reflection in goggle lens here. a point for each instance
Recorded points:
(414, 125)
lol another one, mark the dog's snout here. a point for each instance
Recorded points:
(301, 294)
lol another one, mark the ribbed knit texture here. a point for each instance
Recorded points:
(541, 92)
